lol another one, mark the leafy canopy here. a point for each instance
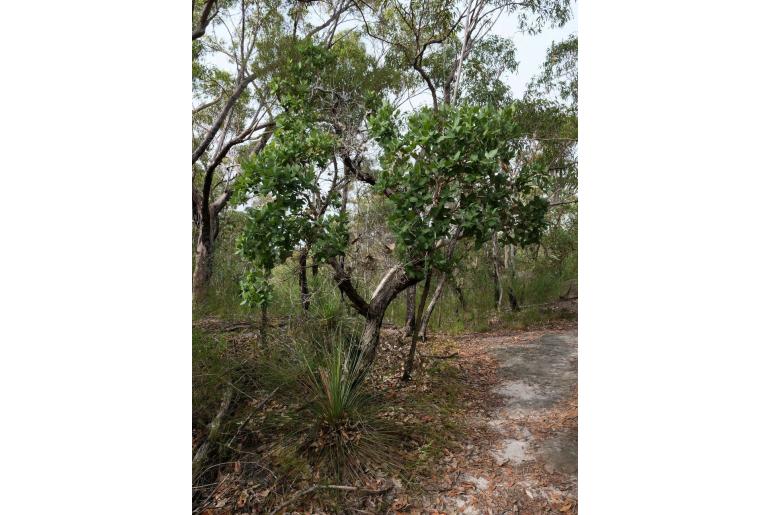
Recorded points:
(448, 173)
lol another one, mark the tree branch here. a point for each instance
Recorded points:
(212, 132)
(220, 202)
(197, 202)
(206, 105)
(204, 20)
(346, 286)
(343, 7)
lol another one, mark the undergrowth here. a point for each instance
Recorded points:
(329, 421)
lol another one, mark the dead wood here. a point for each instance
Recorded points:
(202, 453)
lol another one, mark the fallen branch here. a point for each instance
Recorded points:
(253, 412)
(214, 427)
(313, 488)
(440, 356)
(235, 327)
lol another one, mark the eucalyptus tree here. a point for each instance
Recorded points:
(559, 73)
(203, 13)
(548, 111)
(234, 58)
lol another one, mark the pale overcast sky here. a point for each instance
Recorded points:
(531, 50)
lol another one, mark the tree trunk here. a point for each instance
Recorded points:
(497, 274)
(206, 217)
(370, 339)
(263, 325)
(393, 282)
(512, 299)
(514, 302)
(411, 297)
(409, 363)
(425, 317)
(495, 280)
(314, 266)
(303, 289)
(460, 296)
(204, 266)
(433, 302)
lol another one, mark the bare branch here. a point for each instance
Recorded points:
(333, 19)
(206, 105)
(212, 132)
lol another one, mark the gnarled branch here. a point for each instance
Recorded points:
(346, 286)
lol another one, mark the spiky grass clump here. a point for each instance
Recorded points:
(332, 420)
(344, 436)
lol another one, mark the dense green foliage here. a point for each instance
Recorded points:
(445, 175)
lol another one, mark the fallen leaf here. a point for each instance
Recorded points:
(242, 498)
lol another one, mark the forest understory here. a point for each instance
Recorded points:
(487, 425)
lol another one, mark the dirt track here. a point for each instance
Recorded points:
(529, 465)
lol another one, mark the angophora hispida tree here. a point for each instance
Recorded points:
(442, 172)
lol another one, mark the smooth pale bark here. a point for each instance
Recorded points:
(431, 306)
(204, 265)
(498, 279)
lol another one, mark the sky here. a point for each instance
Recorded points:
(531, 50)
